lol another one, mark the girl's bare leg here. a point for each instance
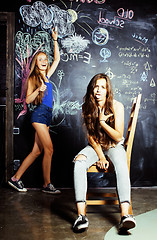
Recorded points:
(36, 151)
(45, 139)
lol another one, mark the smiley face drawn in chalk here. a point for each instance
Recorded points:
(100, 36)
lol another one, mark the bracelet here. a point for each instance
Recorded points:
(54, 40)
(102, 120)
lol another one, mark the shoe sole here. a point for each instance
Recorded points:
(18, 189)
(82, 226)
(50, 192)
(128, 224)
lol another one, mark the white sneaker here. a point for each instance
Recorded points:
(18, 185)
(81, 223)
(127, 222)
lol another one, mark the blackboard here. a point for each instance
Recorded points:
(117, 38)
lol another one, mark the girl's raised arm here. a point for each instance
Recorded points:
(56, 53)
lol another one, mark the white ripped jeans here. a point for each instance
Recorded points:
(117, 156)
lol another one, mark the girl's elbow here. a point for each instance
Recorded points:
(27, 101)
(119, 138)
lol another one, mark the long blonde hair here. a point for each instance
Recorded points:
(35, 76)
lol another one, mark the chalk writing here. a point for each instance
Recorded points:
(128, 82)
(139, 38)
(133, 91)
(152, 98)
(128, 14)
(116, 22)
(133, 52)
(117, 91)
(132, 65)
(90, 1)
(85, 57)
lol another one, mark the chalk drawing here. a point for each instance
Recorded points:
(62, 107)
(22, 73)
(110, 73)
(152, 83)
(48, 16)
(63, 20)
(100, 36)
(144, 76)
(60, 74)
(75, 15)
(40, 39)
(147, 66)
(105, 53)
(75, 44)
(36, 14)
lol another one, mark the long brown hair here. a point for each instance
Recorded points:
(35, 76)
(90, 112)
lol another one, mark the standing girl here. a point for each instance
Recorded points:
(104, 120)
(39, 92)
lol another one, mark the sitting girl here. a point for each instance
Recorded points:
(104, 121)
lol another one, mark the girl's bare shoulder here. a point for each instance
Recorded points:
(117, 105)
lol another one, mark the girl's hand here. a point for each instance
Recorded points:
(54, 33)
(103, 164)
(43, 87)
(102, 116)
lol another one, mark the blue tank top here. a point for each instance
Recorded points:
(48, 95)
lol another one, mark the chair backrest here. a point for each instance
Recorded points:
(131, 128)
(129, 135)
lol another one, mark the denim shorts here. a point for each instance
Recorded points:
(42, 114)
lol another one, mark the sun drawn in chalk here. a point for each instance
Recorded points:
(75, 15)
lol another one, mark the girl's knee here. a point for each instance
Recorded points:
(36, 154)
(80, 158)
(49, 150)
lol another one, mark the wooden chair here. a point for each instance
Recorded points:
(112, 198)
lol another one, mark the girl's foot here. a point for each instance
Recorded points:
(81, 223)
(17, 184)
(127, 222)
(50, 189)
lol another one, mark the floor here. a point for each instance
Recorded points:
(35, 215)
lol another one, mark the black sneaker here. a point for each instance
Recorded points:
(127, 222)
(18, 185)
(81, 223)
(51, 189)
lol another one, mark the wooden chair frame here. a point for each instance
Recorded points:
(112, 198)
